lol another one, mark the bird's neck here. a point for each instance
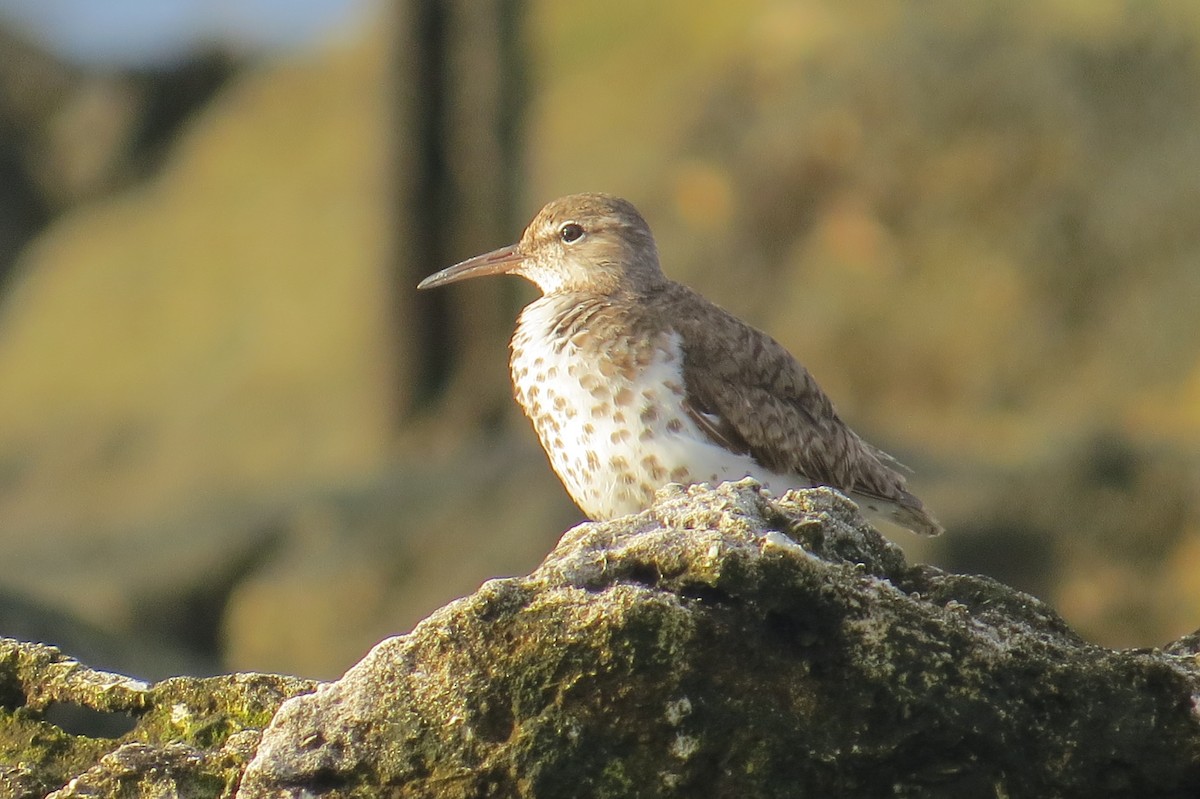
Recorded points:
(588, 321)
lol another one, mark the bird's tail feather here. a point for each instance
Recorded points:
(909, 514)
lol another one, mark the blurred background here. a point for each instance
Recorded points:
(233, 436)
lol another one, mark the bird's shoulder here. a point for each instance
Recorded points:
(725, 354)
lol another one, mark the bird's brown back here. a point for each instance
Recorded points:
(756, 398)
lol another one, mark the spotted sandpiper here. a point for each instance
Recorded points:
(633, 381)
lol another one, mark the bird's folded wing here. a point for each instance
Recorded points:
(749, 394)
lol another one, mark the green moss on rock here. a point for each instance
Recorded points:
(723, 643)
(190, 737)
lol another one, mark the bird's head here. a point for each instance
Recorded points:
(593, 243)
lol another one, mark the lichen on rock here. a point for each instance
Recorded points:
(722, 643)
(187, 736)
(727, 643)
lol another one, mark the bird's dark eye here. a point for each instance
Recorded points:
(571, 232)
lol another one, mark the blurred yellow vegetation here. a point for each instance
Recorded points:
(218, 329)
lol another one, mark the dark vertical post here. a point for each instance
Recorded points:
(459, 77)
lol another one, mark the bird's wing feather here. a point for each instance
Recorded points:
(754, 397)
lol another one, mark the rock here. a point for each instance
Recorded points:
(722, 643)
(725, 644)
(185, 737)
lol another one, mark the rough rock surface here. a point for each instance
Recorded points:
(184, 737)
(725, 644)
(720, 644)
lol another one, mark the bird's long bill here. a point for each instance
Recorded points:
(490, 263)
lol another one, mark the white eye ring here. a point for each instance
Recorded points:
(571, 232)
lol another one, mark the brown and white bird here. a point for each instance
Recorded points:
(633, 381)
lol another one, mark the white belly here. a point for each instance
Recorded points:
(616, 433)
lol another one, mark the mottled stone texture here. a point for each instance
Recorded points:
(183, 738)
(723, 644)
(719, 644)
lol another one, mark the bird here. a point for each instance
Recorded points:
(633, 381)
